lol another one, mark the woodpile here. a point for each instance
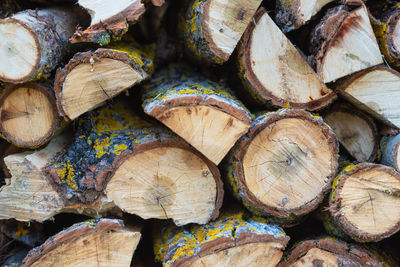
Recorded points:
(199, 133)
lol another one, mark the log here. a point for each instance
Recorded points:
(235, 239)
(29, 234)
(36, 43)
(30, 196)
(387, 31)
(91, 243)
(292, 14)
(343, 43)
(212, 29)
(374, 90)
(202, 112)
(279, 74)
(331, 252)
(109, 20)
(389, 150)
(279, 170)
(142, 168)
(90, 78)
(355, 130)
(33, 121)
(365, 202)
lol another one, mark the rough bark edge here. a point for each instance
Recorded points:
(257, 90)
(330, 245)
(101, 32)
(10, 88)
(86, 57)
(70, 234)
(392, 161)
(237, 178)
(348, 109)
(336, 216)
(39, 52)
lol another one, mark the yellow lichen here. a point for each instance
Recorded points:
(21, 230)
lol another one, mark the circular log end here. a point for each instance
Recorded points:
(365, 202)
(28, 115)
(19, 51)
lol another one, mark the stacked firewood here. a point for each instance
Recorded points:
(199, 132)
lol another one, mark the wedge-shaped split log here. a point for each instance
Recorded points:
(283, 166)
(142, 168)
(387, 31)
(91, 78)
(28, 114)
(102, 242)
(272, 70)
(109, 20)
(355, 130)
(235, 239)
(376, 91)
(343, 43)
(200, 111)
(212, 28)
(292, 14)
(332, 252)
(35, 41)
(390, 151)
(365, 202)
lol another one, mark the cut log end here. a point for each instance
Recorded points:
(96, 241)
(181, 186)
(281, 169)
(19, 51)
(355, 131)
(279, 74)
(28, 115)
(365, 202)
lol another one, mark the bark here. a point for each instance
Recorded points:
(278, 75)
(95, 241)
(143, 168)
(331, 252)
(202, 112)
(32, 122)
(212, 29)
(355, 130)
(364, 202)
(373, 91)
(109, 20)
(343, 43)
(235, 239)
(389, 151)
(276, 170)
(387, 31)
(42, 43)
(91, 78)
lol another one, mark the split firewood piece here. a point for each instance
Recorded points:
(91, 78)
(142, 168)
(235, 239)
(389, 150)
(28, 114)
(355, 130)
(200, 111)
(272, 70)
(35, 41)
(330, 252)
(344, 43)
(31, 234)
(109, 20)
(30, 196)
(292, 14)
(387, 31)
(212, 29)
(102, 242)
(365, 202)
(375, 91)
(283, 166)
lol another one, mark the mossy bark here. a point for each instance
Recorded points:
(175, 246)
